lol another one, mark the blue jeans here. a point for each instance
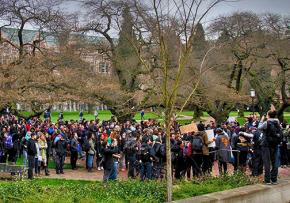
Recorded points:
(114, 173)
(25, 158)
(59, 162)
(146, 171)
(90, 161)
(36, 165)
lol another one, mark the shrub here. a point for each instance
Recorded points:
(50, 190)
(207, 185)
(57, 190)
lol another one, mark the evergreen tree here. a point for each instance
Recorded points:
(199, 42)
(127, 59)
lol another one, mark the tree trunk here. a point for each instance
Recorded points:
(220, 116)
(20, 39)
(168, 159)
(280, 111)
(241, 113)
(232, 76)
(91, 108)
(239, 76)
(123, 115)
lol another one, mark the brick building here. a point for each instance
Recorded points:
(9, 52)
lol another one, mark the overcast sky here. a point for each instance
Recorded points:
(227, 7)
(224, 8)
(257, 6)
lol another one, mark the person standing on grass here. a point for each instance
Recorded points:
(60, 116)
(146, 155)
(96, 114)
(42, 143)
(31, 152)
(24, 143)
(74, 151)
(224, 151)
(272, 137)
(91, 152)
(47, 115)
(142, 115)
(60, 151)
(81, 115)
(108, 151)
(116, 158)
(37, 158)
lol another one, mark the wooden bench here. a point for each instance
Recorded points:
(20, 170)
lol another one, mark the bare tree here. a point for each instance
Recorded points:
(276, 45)
(156, 17)
(20, 13)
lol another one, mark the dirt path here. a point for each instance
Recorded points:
(83, 174)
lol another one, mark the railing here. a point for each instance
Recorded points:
(14, 169)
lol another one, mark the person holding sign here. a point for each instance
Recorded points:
(208, 140)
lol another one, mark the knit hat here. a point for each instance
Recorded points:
(28, 136)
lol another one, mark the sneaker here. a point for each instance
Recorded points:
(102, 168)
(99, 168)
(267, 183)
(275, 183)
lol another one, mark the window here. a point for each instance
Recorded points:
(103, 67)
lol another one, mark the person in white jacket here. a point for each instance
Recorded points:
(37, 158)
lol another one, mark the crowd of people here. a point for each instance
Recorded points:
(139, 147)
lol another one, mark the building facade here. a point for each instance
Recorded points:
(9, 53)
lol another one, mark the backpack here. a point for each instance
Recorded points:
(8, 144)
(86, 145)
(162, 151)
(274, 134)
(197, 144)
(186, 151)
(129, 147)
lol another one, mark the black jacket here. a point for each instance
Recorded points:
(31, 147)
(73, 145)
(108, 157)
(60, 147)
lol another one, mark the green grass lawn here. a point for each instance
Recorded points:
(147, 115)
(106, 115)
(51, 164)
(60, 190)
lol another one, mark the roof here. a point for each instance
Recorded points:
(12, 35)
(29, 36)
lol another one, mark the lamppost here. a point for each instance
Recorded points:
(253, 95)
